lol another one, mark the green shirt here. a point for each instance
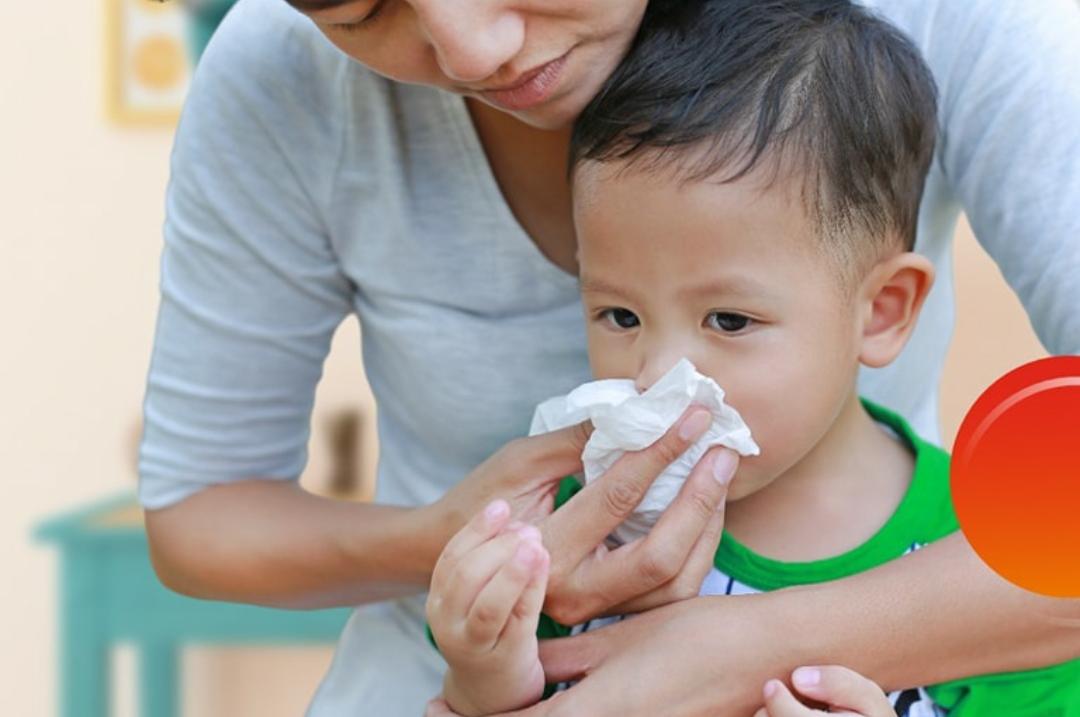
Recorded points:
(924, 515)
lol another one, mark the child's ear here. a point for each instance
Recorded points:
(890, 298)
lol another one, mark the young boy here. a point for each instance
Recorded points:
(746, 190)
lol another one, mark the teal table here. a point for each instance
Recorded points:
(109, 594)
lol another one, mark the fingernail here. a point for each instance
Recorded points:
(806, 677)
(529, 532)
(770, 688)
(495, 510)
(526, 554)
(692, 428)
(724, 466)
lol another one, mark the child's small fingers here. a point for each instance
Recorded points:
(526, 614)
(494, 605)
(842, 688)
(471, 574)
(762, 712)
(779, 702)
(480, 528)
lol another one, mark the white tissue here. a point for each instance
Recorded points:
(624, 420)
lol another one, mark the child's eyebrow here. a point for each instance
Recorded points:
(738, 285)
(595, 285)
(728, 286)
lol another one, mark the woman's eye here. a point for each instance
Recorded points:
(364, 22)
(620, 318)
(728, 323)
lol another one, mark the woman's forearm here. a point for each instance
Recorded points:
(934, 615)
(269, 542)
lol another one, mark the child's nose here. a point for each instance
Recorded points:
(654, 369)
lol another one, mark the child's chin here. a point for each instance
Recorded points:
(742, 486)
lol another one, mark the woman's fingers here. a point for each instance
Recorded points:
(557, 453)
(678, 551)
(585, 521)
(688, 583)
(570, 658)
(842, 688)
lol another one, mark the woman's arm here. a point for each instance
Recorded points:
(930, 617)
(921, 619)
(272, 543)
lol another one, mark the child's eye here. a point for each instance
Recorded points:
(727, 322)
(620, 318)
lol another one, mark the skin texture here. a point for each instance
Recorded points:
(734, 277)
(226, 543)
(843, 691)
(742, 286)
(469, 47)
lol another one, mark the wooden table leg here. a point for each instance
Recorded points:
(159, 678)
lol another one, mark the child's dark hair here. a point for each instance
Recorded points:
(717, 87)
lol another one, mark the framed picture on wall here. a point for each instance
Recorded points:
(148, 61)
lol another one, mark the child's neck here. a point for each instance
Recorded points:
(832, 500)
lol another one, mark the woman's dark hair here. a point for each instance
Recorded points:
(712, 88)
(659, 7)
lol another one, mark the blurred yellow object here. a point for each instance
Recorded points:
(148, 64)
(158, 62)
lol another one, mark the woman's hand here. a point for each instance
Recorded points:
(843, 691)
(669, 564)
(703, 657)
(525, 473)
(586, 578)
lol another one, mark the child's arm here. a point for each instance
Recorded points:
(843, 691)
(486, 593)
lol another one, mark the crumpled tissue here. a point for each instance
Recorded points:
(624, 420)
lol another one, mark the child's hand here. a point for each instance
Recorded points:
(844, 691)
(486, 593)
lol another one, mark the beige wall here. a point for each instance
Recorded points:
(79, 245)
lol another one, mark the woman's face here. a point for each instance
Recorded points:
(539, 60)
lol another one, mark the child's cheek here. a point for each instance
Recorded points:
(749, 478)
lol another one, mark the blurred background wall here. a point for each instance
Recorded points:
(82, 209)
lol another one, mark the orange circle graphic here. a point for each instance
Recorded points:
(1015, 476)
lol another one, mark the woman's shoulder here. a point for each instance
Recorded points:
(270, 82)
(978, 32)
(274, 60)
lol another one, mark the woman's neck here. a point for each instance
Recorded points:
(529, 165)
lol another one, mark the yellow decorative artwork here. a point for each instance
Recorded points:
(148, 61)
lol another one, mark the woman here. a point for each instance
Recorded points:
(310, 181)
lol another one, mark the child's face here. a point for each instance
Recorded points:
(732, 277)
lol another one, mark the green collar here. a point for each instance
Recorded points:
(921, 503)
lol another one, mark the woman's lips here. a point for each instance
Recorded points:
(536, 87)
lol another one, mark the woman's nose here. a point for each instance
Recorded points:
(472, 39)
